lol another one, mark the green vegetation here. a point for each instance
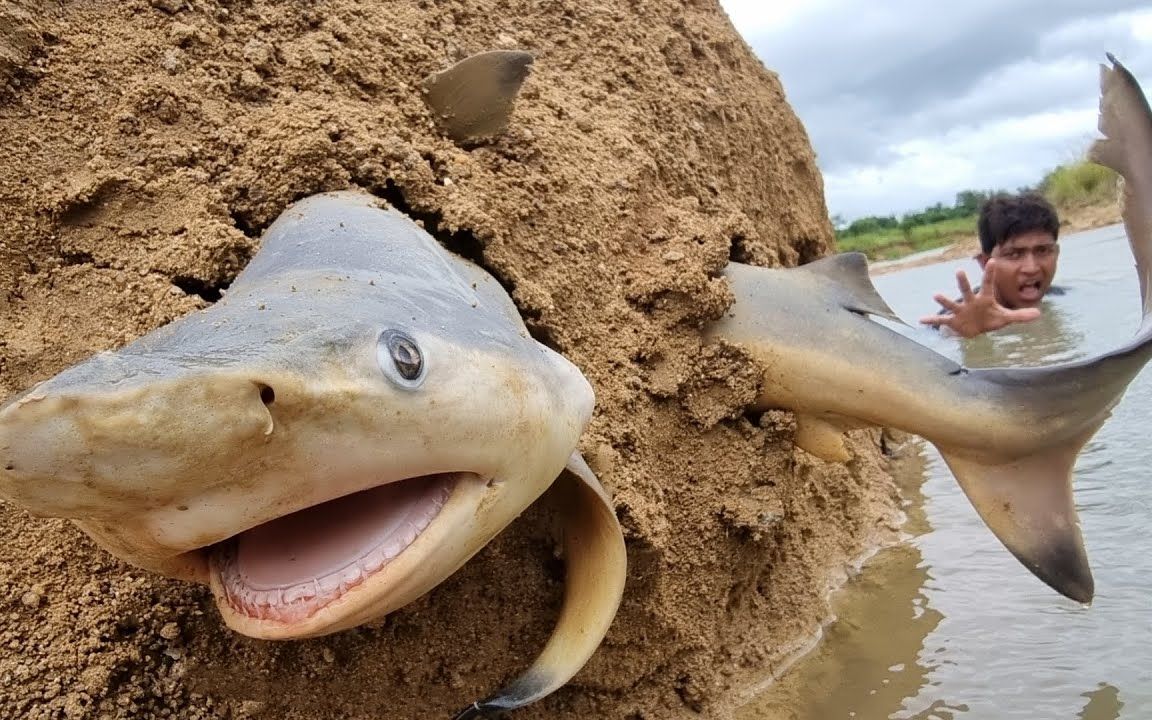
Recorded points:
(1070, 186)
(1079, 184)
(888, 244)
(885, 238)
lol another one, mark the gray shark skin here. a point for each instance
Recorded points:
(1009, 435)
(359, 415)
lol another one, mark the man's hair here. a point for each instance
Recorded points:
(1005, 216)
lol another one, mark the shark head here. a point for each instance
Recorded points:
(358, 417)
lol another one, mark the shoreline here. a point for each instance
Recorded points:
(890, 529)
(1073, 221)
(786, 675)
(803, 645)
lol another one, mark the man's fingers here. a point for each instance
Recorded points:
(965, 286)
(1022, 315)
(937, 320)
(988, 284)
(946, 302)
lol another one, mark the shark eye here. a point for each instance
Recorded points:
(400, 358)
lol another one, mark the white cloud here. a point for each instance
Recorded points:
(909, 102)
(926, 170)
(753, 17)
(1142, 26)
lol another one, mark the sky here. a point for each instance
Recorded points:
(908, 102)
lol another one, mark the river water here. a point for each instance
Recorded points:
(947, 625)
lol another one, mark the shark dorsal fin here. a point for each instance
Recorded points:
(849, 271)
(472, 100)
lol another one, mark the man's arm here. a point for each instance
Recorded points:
(979, 312)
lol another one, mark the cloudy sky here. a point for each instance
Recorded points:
(908, 102)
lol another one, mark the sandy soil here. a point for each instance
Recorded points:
(147, 144)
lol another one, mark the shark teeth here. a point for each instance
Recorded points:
(298, 601)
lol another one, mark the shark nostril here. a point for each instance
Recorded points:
(267, 394)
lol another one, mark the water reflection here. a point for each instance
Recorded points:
(1048, 340)
(869, 660)
(948, 625)
(1103, 704)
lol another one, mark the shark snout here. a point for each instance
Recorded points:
(92, 451)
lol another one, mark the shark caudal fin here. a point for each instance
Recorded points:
(1126, 123)
(1027, 502)
(472, 100)
(597, 564)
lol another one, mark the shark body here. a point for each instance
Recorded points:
(1009, 435)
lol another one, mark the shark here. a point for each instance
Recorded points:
(363, 411)
(1010, 436)
(361, 414)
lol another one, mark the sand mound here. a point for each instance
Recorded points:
(145, 147)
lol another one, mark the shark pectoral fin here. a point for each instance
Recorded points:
(1027, 503)
(823, 437)
(597, 564)
(849, 272)
(473, 99)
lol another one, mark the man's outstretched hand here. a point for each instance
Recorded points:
(977, 313)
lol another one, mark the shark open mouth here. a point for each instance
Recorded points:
(288, 569)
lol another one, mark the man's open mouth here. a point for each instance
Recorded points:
(288, 569)
(1031, 290)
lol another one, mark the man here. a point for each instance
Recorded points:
(1018, 255)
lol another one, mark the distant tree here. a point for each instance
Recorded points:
(969, 201)
(870, 224)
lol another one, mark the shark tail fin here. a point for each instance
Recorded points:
(849, 272)
(597, 562)
(472, 100)
(1126, 123)
(1027, 503)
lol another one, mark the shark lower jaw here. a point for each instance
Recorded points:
(305, 573)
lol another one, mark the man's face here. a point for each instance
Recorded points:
(1025, 265)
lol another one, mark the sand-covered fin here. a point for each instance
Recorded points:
(147, 144)
(472, 100)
